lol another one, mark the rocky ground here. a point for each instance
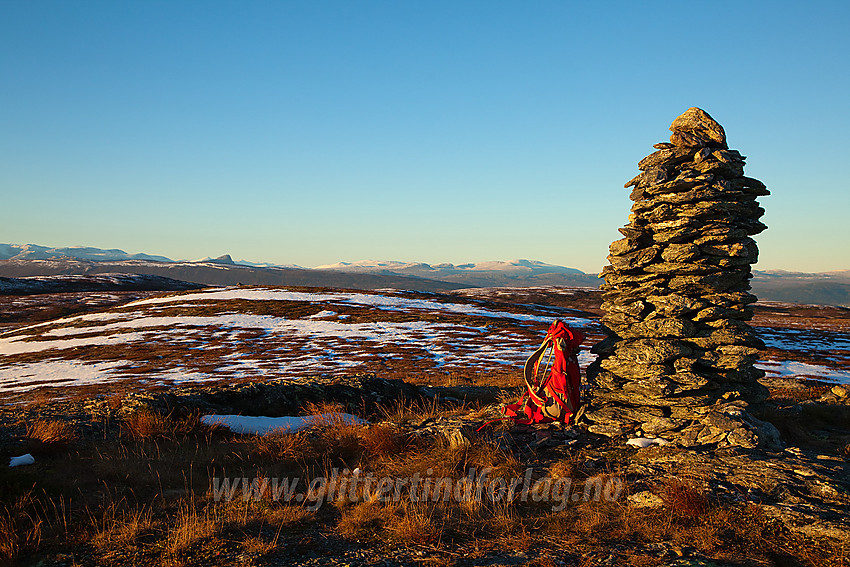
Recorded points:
(799, 492)
(134, 452)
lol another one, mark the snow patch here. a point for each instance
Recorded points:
(23, 377)
(21, 461)
(788, 368)
(261, 425)
(377, 301)
(643, 442)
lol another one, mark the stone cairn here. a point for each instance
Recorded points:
(678, 359)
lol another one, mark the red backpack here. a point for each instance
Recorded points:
(555, 397)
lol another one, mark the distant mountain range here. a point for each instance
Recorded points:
(514, 273)
(828, 288)
(825, 288)
(35, 252)
(219, 273)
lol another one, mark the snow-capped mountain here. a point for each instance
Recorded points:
(525, 267)
(16, 260)
(493, 273)
(35, 252)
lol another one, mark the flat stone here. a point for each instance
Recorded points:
(673, 305)
(645, 499)
(703, 193)
(633, 308)
(720, 234)
(728, 170)
(659, 424)
(709, 434)
(615, 277)
(652, 351)
(754, 186)
(689, 380)
(651, 176)
(625, 245)
(676, 235)
(730, 299)
(715, 313)
(649, 388)
(738, 350)
(687, 140)
(745, 248)
(681, 252)
(702, 284)
(753, 226)
(661, 327)
(624, 413)
(741, 437)
(606, 345)
(608, 429)
(667, 157)
(633, 232)
(680, 185)
(703, 266)
(698, 123)
(604, 379)
(631, 370)
(720, 337)
(632, 260)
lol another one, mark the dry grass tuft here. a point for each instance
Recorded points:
(190, 527)
(279, 445)
(21, 529)
(147, 425)
(362, 520)
(289, 515)
(412, 411)
(414, 524)
(596, 518)
(259, 545)
(49, 436)
(684, 499)
(564, 468)
(122, 528)
(331, 412)
(382, 440)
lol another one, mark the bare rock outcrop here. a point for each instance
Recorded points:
(679, 358)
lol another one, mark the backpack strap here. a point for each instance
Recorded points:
(533, 387)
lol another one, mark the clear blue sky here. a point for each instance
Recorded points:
(318, 131)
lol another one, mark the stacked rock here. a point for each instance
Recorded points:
(678, 359)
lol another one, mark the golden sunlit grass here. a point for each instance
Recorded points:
(121, 527)
(414, 524)
(143, 494)
(362, 521)
(189, 527)
(146, 425)
(46, 436)
(20, 526)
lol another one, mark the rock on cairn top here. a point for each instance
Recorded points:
(678, 359)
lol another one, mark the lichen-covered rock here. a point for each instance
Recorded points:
(676, 297)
